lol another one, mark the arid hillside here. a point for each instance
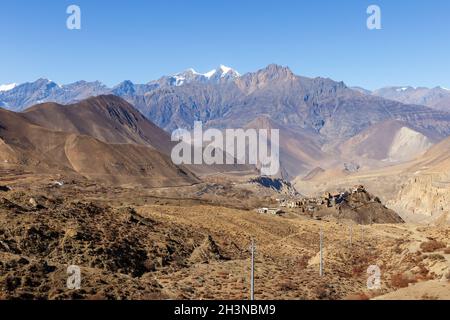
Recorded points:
(146, 244)
(91, 189)
(40, 149)
(391, 141)
(419, 190)
(427, 192)
(106, 118)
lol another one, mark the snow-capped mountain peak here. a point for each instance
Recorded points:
(7, 87)
(210, 73)
(192, 71)
(403, 89)
(187, 76)
(221, 72)
(225, 70)
(215, 75)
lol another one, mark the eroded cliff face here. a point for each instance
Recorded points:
(425, 197)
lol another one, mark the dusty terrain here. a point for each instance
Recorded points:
(193, 242)
(418, 190)
(93, 185)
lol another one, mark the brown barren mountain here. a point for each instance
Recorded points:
(300, 150)
(25, 143)
(390, 140)
(106, 118)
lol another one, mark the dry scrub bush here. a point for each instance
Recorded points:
(302, 262)
(436, 257)
(358, 296)
(432, 246)
(325, 292)
(423, 274)
(287, 286)
(426, 296)
(399, 280)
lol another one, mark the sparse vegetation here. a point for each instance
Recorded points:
(133, 243)
(358, 296)
(287, 286)
(426, 296)
(436, 257)
(400, 280)
(432, 246)
(423, 274)
(325, 292)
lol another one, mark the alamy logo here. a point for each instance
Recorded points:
(74, 278)
(238, 146)
(374, 279)
(74, 20)
(374, 20)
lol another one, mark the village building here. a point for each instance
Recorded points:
(272, 211)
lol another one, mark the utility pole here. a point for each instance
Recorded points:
(252, 277)
(321, 253)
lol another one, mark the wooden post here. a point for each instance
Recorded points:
(321, 253)
(252, 276)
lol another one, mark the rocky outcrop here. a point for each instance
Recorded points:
(423, 197)
(355, 204)
(279, 185)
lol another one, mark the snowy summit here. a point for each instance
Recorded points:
(215, 75)
(7, 87)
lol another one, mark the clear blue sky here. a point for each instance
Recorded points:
(141, 40)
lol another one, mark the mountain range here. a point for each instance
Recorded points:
(436, 98)
(323, 122)
(18, 97)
